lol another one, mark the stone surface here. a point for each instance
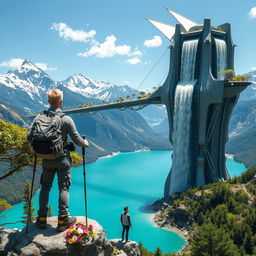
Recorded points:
(30, 250)
(180, 216)
(131, 248)
(49, 242)
(7, 240)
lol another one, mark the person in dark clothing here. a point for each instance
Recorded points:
(126, 223)
(60, 166)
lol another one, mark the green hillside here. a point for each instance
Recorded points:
(220, 218)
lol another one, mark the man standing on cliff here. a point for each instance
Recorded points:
(61, 165)
(126, 223)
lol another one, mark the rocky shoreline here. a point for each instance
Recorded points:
(178, 221)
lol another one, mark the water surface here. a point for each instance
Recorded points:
(132, 179)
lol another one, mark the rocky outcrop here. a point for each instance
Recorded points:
(129, 248)
(177, 216)
(49, 242)
(159, 205)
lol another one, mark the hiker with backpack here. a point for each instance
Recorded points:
(48, 135)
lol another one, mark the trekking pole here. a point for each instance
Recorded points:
(31, 192)
(85, 192)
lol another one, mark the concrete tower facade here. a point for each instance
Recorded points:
(213, 100)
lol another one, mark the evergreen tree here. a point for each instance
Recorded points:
(29, 213)
(158, 252)
(248, 242)
(212, 241)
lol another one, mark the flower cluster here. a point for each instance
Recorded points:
(116, 251)
(79, 234)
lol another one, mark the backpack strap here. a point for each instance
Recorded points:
(52, 113)
(60, 114)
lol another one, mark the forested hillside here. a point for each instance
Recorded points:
(220, 217)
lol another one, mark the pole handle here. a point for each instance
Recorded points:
(83, 148)
(85, 192)
(31, 192)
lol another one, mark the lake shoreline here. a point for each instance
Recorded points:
(119, 152)
(183, 233)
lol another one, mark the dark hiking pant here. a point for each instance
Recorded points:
(61, 166)
(125, 230)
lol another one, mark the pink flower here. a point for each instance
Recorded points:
(68, 233)
(79, 239)
(85, 231)
(90, 227)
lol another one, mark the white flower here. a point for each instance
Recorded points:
(80, 231)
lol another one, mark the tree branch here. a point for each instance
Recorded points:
(11, 172)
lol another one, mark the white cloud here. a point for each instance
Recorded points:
(155, 42)
(253, 68)
(107, 49)
(17, 62)
(45, 67)
(252, 13)
(12, 63)
(133, 61)
(136, 53)
(68, 33)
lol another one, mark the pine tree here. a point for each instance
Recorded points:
(248, 242)
(29, 214)
(158, 252)
(210, 240)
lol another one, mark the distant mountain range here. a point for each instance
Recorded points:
(250, 92)
(24, 89)
(242, 129)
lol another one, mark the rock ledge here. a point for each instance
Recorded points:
(49, 242)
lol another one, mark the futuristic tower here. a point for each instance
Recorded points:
(199, 101)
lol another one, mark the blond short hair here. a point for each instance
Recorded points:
(55, 96)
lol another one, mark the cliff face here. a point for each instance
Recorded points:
(49, 242)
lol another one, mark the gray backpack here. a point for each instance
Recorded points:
(47, 136)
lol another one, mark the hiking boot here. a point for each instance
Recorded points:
(41, 221)
(65, 222)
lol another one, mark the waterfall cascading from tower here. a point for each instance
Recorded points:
(182, 118)
(221, 49)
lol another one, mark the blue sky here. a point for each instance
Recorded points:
(110, 40)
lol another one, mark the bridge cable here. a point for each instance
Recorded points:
(153, 68)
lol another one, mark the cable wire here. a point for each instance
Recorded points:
(152, 68)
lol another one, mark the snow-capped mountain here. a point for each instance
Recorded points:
(27, 83)
(97, 89)
(250, 92)
(26, 88)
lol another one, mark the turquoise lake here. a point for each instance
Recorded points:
(132, 179)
